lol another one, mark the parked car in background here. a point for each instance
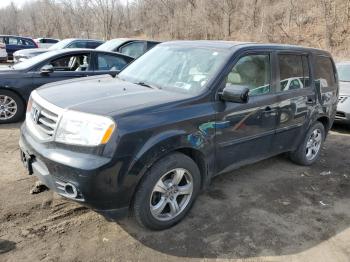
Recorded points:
(15, 43)
(149, 140)
(19, 80)
(343, 111)
(45, 42)
(3, 53)
(131, 47)
(66, 43)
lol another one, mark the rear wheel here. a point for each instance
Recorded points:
(167, 192)
(309, 150)
(11, 107)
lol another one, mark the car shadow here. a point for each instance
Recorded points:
(270, 208)
(6, 246)
(10, 126)
(341, 128)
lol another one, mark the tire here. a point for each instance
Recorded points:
(14, 103)
(147, 197)
(300, 155)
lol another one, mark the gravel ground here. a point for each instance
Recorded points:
(270, 211)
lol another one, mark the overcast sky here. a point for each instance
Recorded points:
(16, 2)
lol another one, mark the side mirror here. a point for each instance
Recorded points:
(46, 69)
(235, 93)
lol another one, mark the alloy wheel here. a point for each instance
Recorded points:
(8, 107)
(171, 194)
(313, 144)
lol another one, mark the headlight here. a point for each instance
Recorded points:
(84, 129)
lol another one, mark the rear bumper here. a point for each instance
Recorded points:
(93, 181)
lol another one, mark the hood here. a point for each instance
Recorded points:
(344, 88)
(105, 95)
(25, 52)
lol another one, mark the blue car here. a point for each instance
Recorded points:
(15, 43)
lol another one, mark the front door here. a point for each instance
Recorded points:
(67, 67)
(244, 132)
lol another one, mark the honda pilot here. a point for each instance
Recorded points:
(148, 141)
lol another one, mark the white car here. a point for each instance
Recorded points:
(343, 109)
(45, 42)
(3, 53)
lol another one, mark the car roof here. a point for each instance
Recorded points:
(81, 39)
(25, 37)
(240, 45)
(132, 39)
(77, 50)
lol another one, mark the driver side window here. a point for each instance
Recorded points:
(76, 62)
(252, 71)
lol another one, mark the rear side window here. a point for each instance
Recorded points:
(324, 72)
(92, 45)
(26, 42)
(50, 41)
(77, 44)
(110, 62)
(150, 45)
(134, 49)
(294, 72)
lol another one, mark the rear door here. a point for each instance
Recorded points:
(65, 67)
(326, 83)
(244, 132)
(295, 96)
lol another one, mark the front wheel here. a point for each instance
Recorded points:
(167, 192)
(12, 108)
(309, 150)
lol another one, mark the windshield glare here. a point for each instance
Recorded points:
(28, 63)
(110, 45)
(60, 45)
(344, 72)
(179, 69)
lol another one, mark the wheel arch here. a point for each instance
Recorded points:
(325, 121)
(158, 151)
(16, 92)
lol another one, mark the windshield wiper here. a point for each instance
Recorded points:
(147, 85)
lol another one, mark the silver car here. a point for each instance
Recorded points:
(343, 110)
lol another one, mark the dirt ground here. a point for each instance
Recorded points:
(270, 211)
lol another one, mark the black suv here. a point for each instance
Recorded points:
(150, 140)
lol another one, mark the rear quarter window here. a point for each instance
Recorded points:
(324, 73)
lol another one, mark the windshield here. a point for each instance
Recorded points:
(179, 69)
(344, 72)
(28, 63)
(60, 45)
(110, 45)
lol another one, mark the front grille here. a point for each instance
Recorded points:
(46, 120)
(43, 117)
(342, 99)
